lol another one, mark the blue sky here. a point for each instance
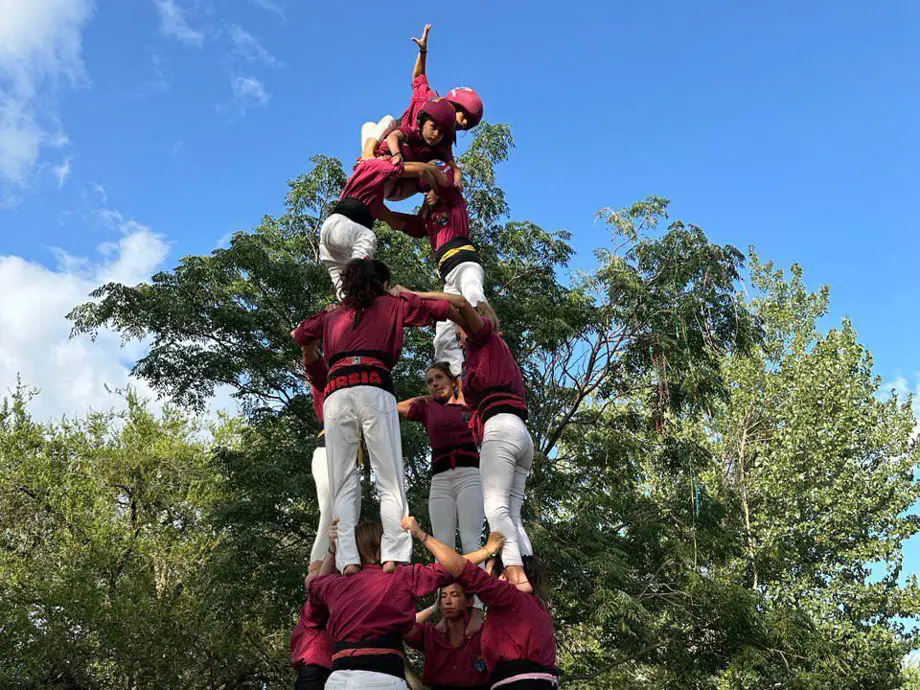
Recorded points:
(133, 133)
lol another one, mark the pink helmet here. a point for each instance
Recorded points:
(443, 115)
(469, 100)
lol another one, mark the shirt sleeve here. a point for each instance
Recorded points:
(421, 89)
(422, 312)
(424, 579)
(318, 614)
(311, 328)
(483, 335)
(418, 411)
(415, 638)
(492, 591)
(316, 372)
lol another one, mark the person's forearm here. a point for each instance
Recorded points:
(458, 174)
(425, 613)
(393, 142)
(449, 559)
(480, 555)
(420, 63)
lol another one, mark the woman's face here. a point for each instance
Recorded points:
(439, 384)
(453, 602)
(463, 119)
(431, 133)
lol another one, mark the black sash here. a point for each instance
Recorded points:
(356, 210)
(359, 375)
(446, 265)
(448, 457)
(390, 664)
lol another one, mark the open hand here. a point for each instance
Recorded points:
(422, 42)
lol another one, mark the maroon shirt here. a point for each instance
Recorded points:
(445, 664)
(489, 365)
(446, 221)
(418, 150)
(310, 644)
(316, 375)
(518, 627)
(372, 603)
(368, 181)
(379, 330)
(446, 425)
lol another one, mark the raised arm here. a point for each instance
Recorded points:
(422, 44)
(449, 559)
(469, 319)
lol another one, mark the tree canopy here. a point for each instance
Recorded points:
(721, 492)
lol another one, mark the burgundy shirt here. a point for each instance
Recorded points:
(418, 150)
(518, 626)
(310, 644)
(444, 222)
(489, 364)
(445, 664)
(316, 375)
(372, 603)
(368, 181)
(380, 328)
(447, 425)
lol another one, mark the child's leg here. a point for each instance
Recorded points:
(446, 347)
(376, 130)
(340, 240)
(470, 280)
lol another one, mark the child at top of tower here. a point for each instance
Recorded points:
(465, 107)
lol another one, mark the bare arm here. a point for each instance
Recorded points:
(449, 559)
(403, 407)
(394, 140)
(470, 320)
(426, 613)
(422, 44)
(458, 176)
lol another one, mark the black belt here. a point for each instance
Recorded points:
(390, 664)
(356, 210)
(507, 669)
(359, 375)
(460, 251)
(501, 400)
(449, 457)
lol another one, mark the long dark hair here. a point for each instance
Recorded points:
(533, 569)
(363, 281)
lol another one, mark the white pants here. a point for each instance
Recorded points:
(377, 130)
(456, 498)
(466, 279)
(346, 413)
(324, 499)
(364, 680)
(340, 240)
(505, 459)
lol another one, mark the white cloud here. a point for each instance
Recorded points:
(36, 345)
(62, 171)
(100, 190)
(40, 53)
(902, 388)
(272, 6)
(247, 91)
(248, 46)
(174, 25)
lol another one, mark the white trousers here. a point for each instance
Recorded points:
(466, 279)
(505, 460)
(346, 413)
(455, 499)
(324, 499)
(364, 680)
(340, 240)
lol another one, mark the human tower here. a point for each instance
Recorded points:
(494, 629)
